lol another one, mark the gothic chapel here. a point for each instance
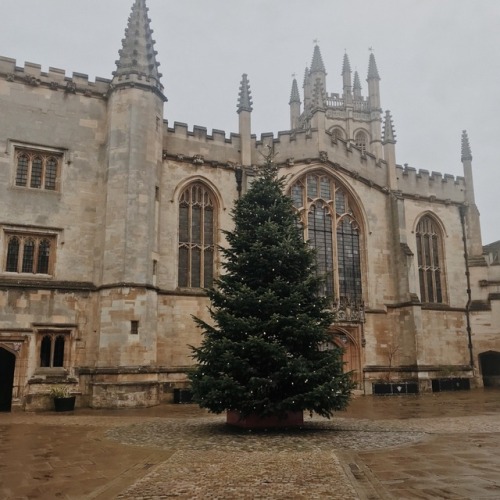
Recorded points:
(111, 219)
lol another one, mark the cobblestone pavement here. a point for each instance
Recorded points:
(436, 446)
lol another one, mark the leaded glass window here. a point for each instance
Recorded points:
(331, 227)
(361, 141)
(196, 237)
(52, 350)
(29, 254)
(37, 170)
(429, 256)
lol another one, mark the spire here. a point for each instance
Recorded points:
(294, 95)
(306, 76)
(388, 135)
(372, 68)
(466, 152)
(317, 61)
(137, 60)
(346, 66)
(245, 96)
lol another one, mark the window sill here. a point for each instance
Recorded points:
(25, 276)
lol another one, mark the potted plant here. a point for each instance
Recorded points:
(63, 400)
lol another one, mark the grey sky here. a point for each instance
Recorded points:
(438, 60)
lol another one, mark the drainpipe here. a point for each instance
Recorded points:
(463, 211)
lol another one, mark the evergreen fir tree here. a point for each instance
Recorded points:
(265, 352)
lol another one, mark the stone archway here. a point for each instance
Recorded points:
(489, 362)
(7, 367)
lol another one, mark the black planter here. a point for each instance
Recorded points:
(65, 404)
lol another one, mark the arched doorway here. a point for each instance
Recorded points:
(7, 367)
(490, 368)
(351, 357)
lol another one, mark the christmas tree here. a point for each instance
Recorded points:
(266, 351)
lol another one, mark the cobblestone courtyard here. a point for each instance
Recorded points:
(435, 446)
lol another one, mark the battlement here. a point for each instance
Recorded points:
(423, 183)
(55, 79)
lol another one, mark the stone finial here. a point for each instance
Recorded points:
(294, 95)
(317, 61)
(137, 55)
(466, 152)
(388, 135)
(372, 68)
(346, 65)
(245, 96)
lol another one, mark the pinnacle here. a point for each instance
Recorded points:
(137, 55)
(319, 97)
(245, 96)
(388, 135)
(346, 66)
(372, 68)
(317, 61)
(466, 152)
(306, 76)
(294, 95)
(357, 83)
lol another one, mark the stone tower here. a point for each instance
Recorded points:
(345, 115)
(131, 185)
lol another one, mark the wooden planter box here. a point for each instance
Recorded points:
(253, 421)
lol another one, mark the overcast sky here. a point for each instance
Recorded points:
(439, 63)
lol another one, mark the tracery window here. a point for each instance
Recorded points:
(29, 253)
(361, 141)
(331, 227)
(338, 133)
(197, 223)
(37, 169)
(429, 255)
(52, 350)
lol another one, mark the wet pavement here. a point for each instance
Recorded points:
(433, 446)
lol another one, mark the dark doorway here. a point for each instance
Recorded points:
(7, 366)
(490, 368)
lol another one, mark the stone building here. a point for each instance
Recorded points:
(110, 221)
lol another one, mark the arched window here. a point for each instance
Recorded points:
(429, 254)
(337, 133)
(196, 237)
(331, 227)
(361, 141)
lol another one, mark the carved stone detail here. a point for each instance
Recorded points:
(198, 160)
(70, 88)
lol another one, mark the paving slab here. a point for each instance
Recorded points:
(436, 446)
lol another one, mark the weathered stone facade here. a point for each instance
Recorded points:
(91, 184)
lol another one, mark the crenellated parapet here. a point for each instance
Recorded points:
(55, 79)
(215, 147)
(432, 185)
